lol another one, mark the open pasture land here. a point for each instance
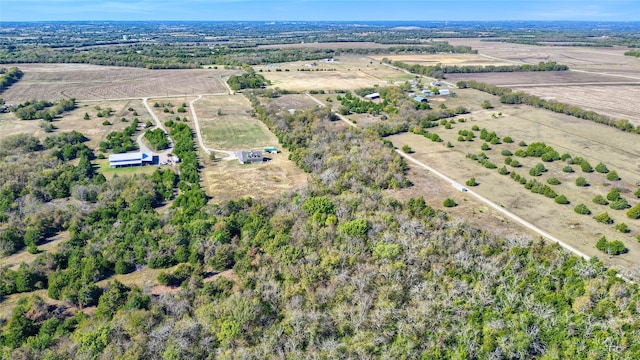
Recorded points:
(604, 94)
(603, 60)
(227, 180)
(74, 120)
(349, 73)
(293, 101)
(225, 123)
(445, 59)
(91, 82)
(591, 141)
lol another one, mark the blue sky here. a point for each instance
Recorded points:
(346, 10)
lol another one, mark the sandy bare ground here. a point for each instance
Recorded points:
(91, 82)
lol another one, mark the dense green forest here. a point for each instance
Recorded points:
(335, 269)
(191, 56)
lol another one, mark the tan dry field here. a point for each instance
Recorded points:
(74, 120)
(351, 72)
(600, 60)
(601, 79)
(227, 180)
(171, 104)
(445, 59)
(604, 94)
(566, 134)
(91, 82)
(293, 101)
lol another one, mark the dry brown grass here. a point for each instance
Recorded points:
(445, 59)
(612, 96)
(227, 180)
(351, 72)
(602, 80)
(89, 82)
(73, 120)
(566, 134)
(13, 261)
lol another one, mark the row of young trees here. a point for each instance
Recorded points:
(46, 110)
(508, 96)
(439, 70)
(9, 77)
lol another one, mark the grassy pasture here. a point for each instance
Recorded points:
(225, 124)
(566, 134)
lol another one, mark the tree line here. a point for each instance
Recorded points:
(9, 77)
(439, 70)
(508, 96)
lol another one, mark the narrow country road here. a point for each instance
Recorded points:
(349, 122)
(495, 206)
(504, 211)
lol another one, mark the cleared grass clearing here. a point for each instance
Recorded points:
(225, 124)
(349, 73)
(580, 138)
(227, 180)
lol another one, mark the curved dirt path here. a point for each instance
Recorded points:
(231, 155)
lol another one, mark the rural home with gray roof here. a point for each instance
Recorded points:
(249, 156)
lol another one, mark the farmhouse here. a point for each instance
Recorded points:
(249, 156)
(420, 99)
(132, 159)
(372, 96)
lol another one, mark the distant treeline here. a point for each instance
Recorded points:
(439, 70)
(8, 77)
(508, 96)
(180, 56)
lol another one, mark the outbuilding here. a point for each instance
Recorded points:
(132, 159)
(420, 99)
(445, 92)
(372, 96)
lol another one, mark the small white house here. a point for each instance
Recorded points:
(445, 92)
(372, 96)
